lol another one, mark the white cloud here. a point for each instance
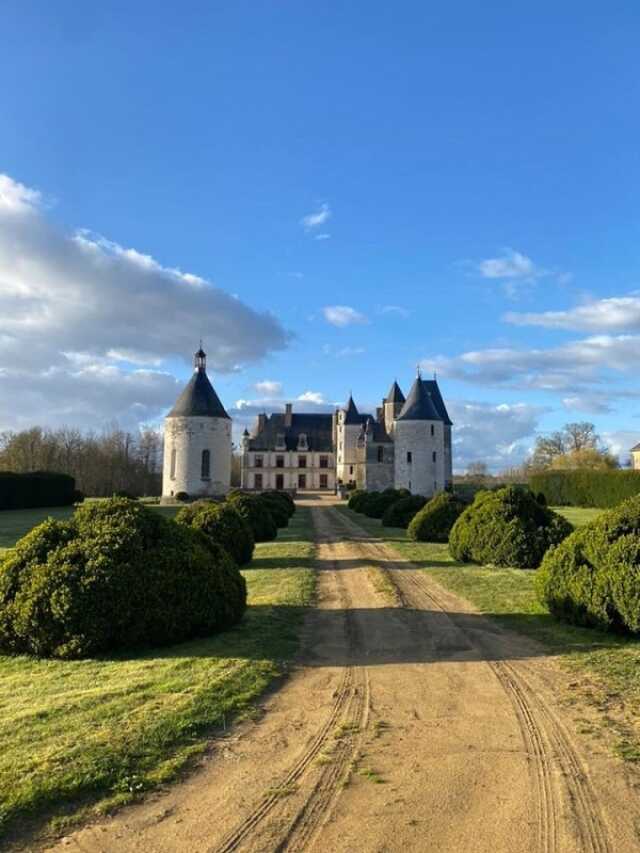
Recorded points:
(562, 368)
(395, 309)
(499, 434)
(323, 236)
(512, 264)
(588, 402)
(73, 305)
(269, 388)
(342, 315)
(316, 218)
(615, 314)
(312, 397)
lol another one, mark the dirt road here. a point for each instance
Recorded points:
(411, 724)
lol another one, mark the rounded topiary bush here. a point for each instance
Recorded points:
(117, 575)
(183, 497)
(277, 508)
(356, 499)
(593, 577)
(400, 513)
(377, 503)
(223, 524)
(257, 514)
(507, 527)
(285, 498)
(434, 521)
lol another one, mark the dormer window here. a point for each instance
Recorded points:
(302, 441)
(280, 443)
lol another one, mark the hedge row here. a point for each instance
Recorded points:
(586, 488)
(36, 489)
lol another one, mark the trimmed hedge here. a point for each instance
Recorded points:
(376, 503)
(285, 498)
(434, 521)
(506, 528)
(116, 576)
(400, 513)
(36, 489)
(593, 577)
(223, 524)
(257, 514)
(356, 500)
(586, 487)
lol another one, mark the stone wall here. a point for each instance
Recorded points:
(189, 437)
(290, 470)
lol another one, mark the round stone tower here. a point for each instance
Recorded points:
(419, 457)
(197, 440)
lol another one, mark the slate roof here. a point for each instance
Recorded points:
(317, 427)
(353, 416)
(198, 400)
(635, 448)
(377, 431)
(432, 388)
(419, 405)
(395, 395)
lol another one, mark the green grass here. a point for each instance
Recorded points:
(606, 666)
(578, 515)
(97, 732)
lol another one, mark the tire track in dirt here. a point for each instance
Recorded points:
(544, 736)
(342, 729)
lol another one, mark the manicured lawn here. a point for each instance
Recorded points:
(100, 731)
(578, 515)
(608, 664)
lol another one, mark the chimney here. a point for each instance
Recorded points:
(288, 415)
(262, 420)
(380, 414)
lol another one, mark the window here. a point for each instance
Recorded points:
(324, 461)
(302, 481)
(433, 456)
(381, 454)
(279, 482)
(433, 430)
(280, 441)
(258, 461)
(409, 457)
(279, 461)
(205, 464)
(351, 469)
(173, 464)
(324, 481)
(302, 461)
(302, 441)
(257, 481)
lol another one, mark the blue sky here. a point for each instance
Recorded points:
(445, 175)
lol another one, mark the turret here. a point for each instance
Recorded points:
(419, 443)
(197, 440)
(392, 405)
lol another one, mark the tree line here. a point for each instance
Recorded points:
(103, 463)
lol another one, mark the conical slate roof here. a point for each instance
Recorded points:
(419, 406)
(431, 386)
(352, 413)
(395, 395)
(198, 399)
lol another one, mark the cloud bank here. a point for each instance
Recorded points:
(86, 324)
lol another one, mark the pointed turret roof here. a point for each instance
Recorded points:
(395, 395)
(352, 415)
(419, 406)
(432, 388)
(199, 400)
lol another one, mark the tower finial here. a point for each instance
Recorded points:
(419, 371)
(200, 359)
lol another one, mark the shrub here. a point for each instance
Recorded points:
(434, 521)
(285, 498)
(507, 528)
(117, 575)
(278, 509)
(593, 577)
(586, 487)
(183, 497)
(223, 524)
(78, 496)
(378, 502)
(123, 493)
(400, 513)
(355, 499)
(257, 514)
(35, 489)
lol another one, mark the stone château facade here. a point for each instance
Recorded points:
(406, 445)
(197, 440)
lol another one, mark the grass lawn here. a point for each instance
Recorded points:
(95, 733)
(610, 663)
